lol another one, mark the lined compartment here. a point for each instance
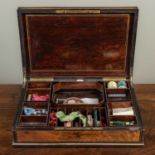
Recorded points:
(127, 83)
(122, 121)
(34, 119)
(37, 105)
(121, 107)
(83, 97)
(122, 104)
(77, 86)
(124, 113)
(118, 94)
(78, 93)
(86, 117)
(59, 92)
(38, 85)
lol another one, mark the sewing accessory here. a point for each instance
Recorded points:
(122, 123)
(36, 97)
(29, 97)
(71, 117)
(90, 100)
(96, 116)
(98, 123)
(90, 120)
(43, 111)
(31, 111)
(122, 84)
(123, 111)
(112, 85)
(104, 124)
(77, 101)
(53, 119)
(72, 101)
(60, 100)
(117, 95)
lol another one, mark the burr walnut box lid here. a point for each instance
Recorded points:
(77, 41)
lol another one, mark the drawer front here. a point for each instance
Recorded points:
(77, 136)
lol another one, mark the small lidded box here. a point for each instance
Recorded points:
(77, 87)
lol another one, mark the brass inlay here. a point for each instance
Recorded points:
(45, 79)
(77, 11)
(114, 79)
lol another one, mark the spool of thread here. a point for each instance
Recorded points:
(121, 123)
(122, 84)
(90, 120)
(53, 119)
(112, 84)
(29, 97)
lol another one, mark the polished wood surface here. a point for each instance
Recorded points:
(78, 136)
(9, 95)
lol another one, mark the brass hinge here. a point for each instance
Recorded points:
(114, 79)
(41, 79)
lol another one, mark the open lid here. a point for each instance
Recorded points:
(78, 41)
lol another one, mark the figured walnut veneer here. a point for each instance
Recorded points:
(78, 136)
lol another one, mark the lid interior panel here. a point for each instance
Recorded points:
(76, 44)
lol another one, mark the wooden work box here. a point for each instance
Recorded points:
(69, 57)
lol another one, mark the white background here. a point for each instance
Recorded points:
(10, 54)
